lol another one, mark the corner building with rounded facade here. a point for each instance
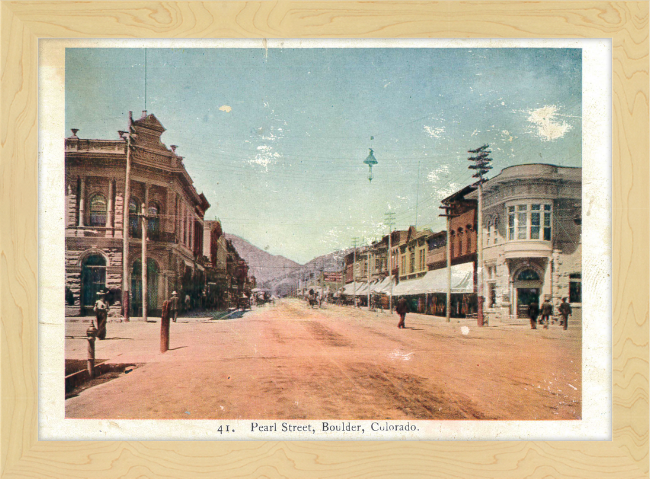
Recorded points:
(95, 179)
(532, 246)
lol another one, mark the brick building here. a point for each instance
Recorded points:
(95, 178)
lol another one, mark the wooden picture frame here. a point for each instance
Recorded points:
(24, 23)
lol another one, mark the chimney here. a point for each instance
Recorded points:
(144, 113)
(74, 132)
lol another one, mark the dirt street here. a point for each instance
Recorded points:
(290, 362)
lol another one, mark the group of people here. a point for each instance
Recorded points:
(546, 311)
(401, 308)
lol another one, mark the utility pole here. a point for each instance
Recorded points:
(369, 258)
(129, 136)
(144, 261)
(417, 197)
(449, 216)
(354, 268)
(390, 221)
(481, 159)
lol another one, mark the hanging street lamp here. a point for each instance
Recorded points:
(371, 160)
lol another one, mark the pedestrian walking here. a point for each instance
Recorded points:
(187, 302)
(533, 312)
(174, 306)
(565, 311)
(547, 312)
(101, 314)
(401, 308)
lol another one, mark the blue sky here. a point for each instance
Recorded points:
(276, 138)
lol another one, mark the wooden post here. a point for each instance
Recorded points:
(164, 326)
(90, 333)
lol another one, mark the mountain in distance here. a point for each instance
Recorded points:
(264, 266)
(280, 274)
(307, 273)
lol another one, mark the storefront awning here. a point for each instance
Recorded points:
(436, 282)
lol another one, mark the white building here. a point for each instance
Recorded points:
(532, 247)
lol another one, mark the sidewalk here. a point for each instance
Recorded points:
(136, 341)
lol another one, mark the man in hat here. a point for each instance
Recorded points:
(101, 314)
(547, 312)
(565, 311)
(174, 306)
(401, 308)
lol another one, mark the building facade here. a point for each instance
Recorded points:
(96, 211)
(532, 246)
(413, 254)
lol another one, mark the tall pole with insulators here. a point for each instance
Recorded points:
(144, 262)
(390, 221)
(128, 136)
(481, 159)
(354, 270)
(369, 259)
(449, 216)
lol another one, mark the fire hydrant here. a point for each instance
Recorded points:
(91, 333)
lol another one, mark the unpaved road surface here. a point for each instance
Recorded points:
(290, 362)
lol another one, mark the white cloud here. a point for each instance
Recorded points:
(265, 157)
(548, 126)
(435, 175)
(225, 108)
(433, 131)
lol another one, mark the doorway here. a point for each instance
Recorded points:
(136, 287)
(525, 296)
(93, 280)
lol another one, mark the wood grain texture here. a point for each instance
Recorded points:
(23, 23)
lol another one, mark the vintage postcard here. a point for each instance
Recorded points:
(327, 240)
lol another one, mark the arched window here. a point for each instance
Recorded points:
(135, 228)
(98, 210)
(460, 241)
(153, 230)
(528, 275)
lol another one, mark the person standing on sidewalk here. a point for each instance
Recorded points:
(174, 306)
(533, 312)
(565, 311)
(401, 308)
(547, 311)
(101, 314)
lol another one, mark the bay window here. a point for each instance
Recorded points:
(529, 221)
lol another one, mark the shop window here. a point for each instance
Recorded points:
(98, 210)
(575, 288)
